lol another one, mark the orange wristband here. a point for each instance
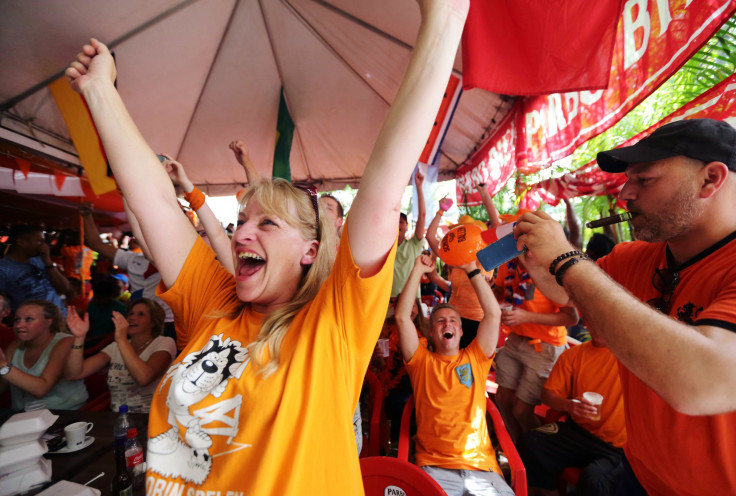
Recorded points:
(195, 199)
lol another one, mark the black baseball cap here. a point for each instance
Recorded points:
(708, 140)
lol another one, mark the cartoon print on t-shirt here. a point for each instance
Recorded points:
(184, 450)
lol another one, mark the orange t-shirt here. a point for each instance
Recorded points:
(555, 335)
(670, 452)
(463, 296)
(449, 394)
(216, 426)
(590, 368)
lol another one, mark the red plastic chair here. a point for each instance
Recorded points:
(383, 473)
(99, 403)
(432, 300)
(98, 391)
(518, 472)
(372, 441)
(99, 346)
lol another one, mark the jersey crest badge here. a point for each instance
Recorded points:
(465, 374)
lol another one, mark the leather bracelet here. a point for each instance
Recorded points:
(566, 266)
(473, 273)
(561, 258)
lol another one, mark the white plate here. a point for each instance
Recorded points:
(25, 479)
(26, 426)
(66, 488)
(20, 456)
(87, 441)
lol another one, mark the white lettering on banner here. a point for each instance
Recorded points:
(555, 117)
(631, 53)
(665, 17)
(590, 97)
(393, 491)
(490, 168)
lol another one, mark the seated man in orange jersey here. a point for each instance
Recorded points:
(452, 443)
(592, 438)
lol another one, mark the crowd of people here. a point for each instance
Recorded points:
(248, 346)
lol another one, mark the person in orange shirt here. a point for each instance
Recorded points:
(665, 304)
(259, 401)
(592, 438)
(452, 442)
(536, 338)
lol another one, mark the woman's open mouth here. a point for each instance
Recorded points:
(249, 263)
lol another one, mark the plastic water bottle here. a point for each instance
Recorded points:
(122, 425)
(134, 459)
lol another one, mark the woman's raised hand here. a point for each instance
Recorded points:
(78, 326)
(121, 326)
(177, 173)
(93, 62)
(240, 150)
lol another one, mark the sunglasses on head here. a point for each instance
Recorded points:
(312, 192)
(665, 281)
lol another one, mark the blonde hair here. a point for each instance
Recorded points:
(280, 198)
(49, 311)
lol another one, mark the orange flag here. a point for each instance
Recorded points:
(84, 135)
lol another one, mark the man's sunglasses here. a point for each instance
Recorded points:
(665, 281)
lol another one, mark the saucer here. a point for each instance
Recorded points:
(87, 442)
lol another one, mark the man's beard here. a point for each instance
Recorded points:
(670, 220)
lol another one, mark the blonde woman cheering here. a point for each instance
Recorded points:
(260, 401)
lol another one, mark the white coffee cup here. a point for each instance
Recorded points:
(76, 432)
(506, 307)
(594, 399)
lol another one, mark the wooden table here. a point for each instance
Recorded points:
(82, 466)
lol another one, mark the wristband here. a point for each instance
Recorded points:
(473, 273)
(561, 258)
(195, 199)
(77, 346)
(566, 266)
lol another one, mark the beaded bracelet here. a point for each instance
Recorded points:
(195, 199)
(561, 258)
(566, 266)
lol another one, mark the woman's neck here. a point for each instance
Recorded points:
(140, 341)
(41, 342)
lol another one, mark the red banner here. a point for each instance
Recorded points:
(496, 162)
(654, 39)
(533, 47)
(719, 103)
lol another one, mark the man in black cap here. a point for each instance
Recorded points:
(665, 304)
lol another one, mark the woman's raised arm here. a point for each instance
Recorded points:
(374, 215)
(143, 181)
